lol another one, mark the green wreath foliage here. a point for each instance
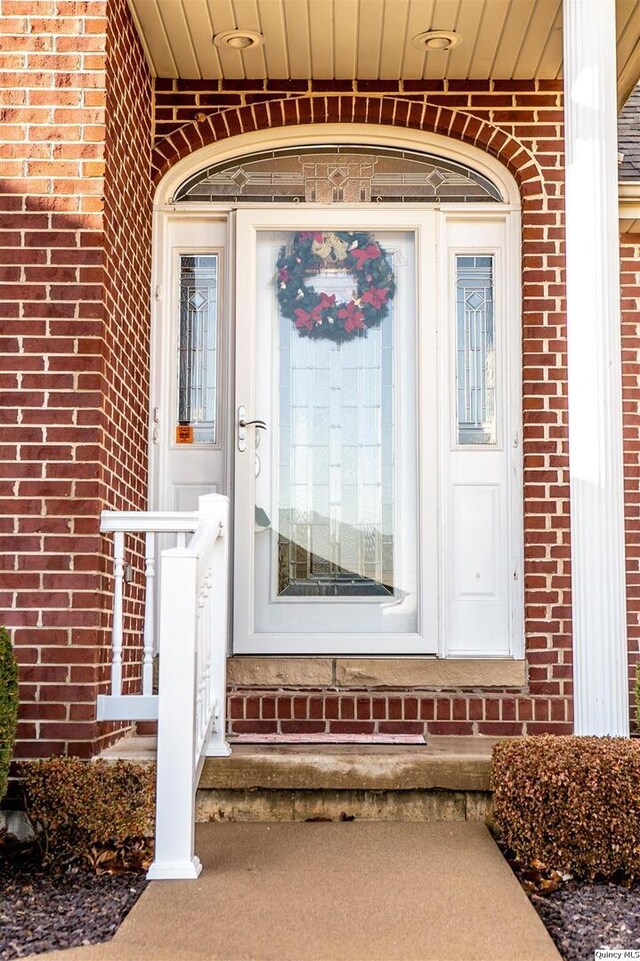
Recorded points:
(315, 313)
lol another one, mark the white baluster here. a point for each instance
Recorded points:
(181, 539)
(199, 713)
(217, 745)
(116, 630)
(149, 612)
(208, 640)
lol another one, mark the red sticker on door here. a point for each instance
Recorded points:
(184, 434)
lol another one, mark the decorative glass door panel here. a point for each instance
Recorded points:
(336, 523)
(327, 477)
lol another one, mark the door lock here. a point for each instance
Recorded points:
(243, 423)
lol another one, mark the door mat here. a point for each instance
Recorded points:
(327, 739)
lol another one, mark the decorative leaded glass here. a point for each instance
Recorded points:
(336, 461)
(198, 347)
(337, 174)
(475, 351)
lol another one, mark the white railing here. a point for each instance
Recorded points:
(190, 704)
(142, 706)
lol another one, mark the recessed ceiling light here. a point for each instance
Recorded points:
(238, 39)
(433, 40)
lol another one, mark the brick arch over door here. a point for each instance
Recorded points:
(392, 111)
(525, 133)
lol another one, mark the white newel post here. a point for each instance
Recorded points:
(595, 401)
(175, 792)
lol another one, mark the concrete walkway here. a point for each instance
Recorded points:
(353, 891)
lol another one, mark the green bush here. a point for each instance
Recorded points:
(8, 706)
(92, 811)
(571, 803)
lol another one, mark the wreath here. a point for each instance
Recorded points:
(316, 313)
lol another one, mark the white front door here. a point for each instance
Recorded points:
(335, 487)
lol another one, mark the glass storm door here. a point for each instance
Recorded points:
(330, 515)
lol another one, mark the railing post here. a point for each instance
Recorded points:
(175, 791)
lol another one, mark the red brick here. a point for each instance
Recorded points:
(255, 727)
(401, 727)
(302, 727)
(351, 727)
(449, 727)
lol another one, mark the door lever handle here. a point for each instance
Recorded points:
(258, 424)
(243, 423)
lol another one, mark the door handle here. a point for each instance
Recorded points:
(258, 424)
(243, 423)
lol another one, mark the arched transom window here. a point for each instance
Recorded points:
(338, 174)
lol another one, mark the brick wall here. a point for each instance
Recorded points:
(74, 255)
(75, 250)
(409, 711)
(521, 124)
(128, 199)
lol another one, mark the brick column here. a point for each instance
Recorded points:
(75, 252)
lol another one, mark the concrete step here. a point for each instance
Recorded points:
(448, 778)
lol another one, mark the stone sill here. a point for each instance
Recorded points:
(375, 672)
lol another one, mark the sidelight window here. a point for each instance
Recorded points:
(198, 349)
(475, 351)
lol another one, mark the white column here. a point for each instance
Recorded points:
(595, 401)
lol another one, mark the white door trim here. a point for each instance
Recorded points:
(246, 639)
(506, 252)
(509, 211)
(343, 133)
(508, 290)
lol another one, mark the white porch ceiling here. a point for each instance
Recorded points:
(369, 39)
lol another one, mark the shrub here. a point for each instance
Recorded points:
(572, 803)
(89, 810)
(8, 706)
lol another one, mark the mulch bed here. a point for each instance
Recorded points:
(581, 917)
(42, 911)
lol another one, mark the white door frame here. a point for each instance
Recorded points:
(165, 210)
(247, 639)
(455, 224)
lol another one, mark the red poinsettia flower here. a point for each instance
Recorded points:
(353, 318)
(362, 255)
(376, 296)
(308, 318)
(327, 300)
(283, 274)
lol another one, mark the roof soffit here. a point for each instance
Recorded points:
(369, 39)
